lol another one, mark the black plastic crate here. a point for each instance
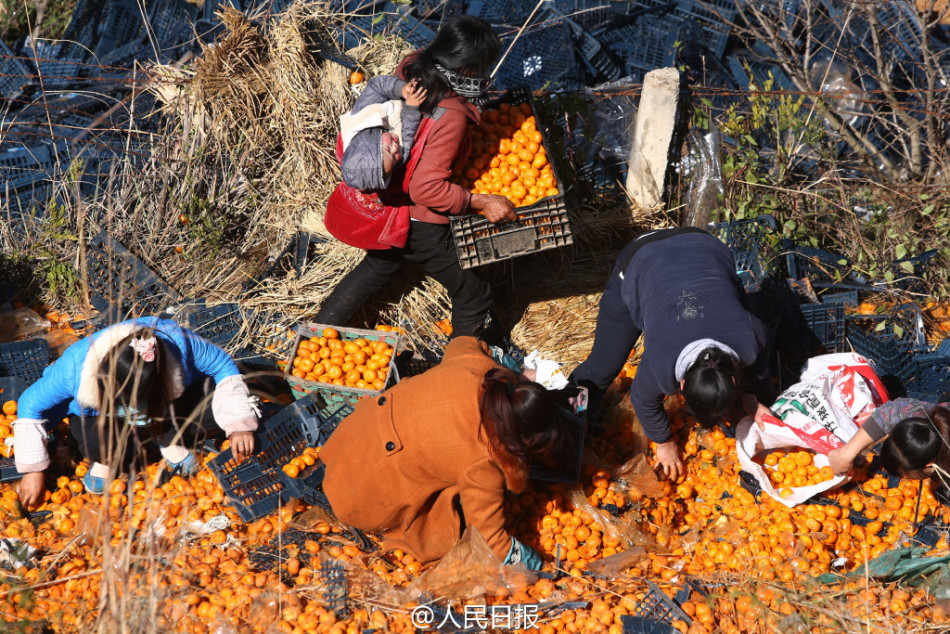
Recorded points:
(498, 11)
(889, 340)
(818, 265)
(749, 241)
(122, 285)
(11, 387)
(655, 613)
(805, 331)
(593, 15)
(707, 22)
(844, 297)
(26, 165)
(929, 377)
(542, 57)
(24, 359)
(257, 486)
(123, 24)
(13, 73)
(271, 340)
(911, 274)
(541, 226)
(757, 73)
(436, 9)
(592, 53)
(647, 44)
(220, 324)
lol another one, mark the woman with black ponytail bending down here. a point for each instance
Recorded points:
(679, 288)
(917, 441)
(436, 453)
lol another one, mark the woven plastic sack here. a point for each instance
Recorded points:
(907, 564)
(822, 412)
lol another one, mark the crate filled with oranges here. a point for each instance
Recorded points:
(344, 364)
(509, 157)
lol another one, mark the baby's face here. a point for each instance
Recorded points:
(390, 152)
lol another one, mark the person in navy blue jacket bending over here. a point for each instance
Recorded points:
(679, 288)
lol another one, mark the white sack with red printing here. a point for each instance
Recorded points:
(836, 394)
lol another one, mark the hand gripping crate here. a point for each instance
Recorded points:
(121, 284)
(258, 486)
(24, 359)
(541, 226)
(341, 393)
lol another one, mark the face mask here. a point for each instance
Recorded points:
(468, 87)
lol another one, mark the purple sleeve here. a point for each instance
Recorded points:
(882, 420)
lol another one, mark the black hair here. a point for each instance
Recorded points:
(131, 381)
(709, 387)
(465, 44)
(915, 443)
(525, 418)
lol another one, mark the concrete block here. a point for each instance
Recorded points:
(654, 132)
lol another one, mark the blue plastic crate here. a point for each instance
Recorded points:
(122, 285)
(258, 486)
(24, 359)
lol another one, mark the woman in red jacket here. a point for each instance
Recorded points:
(453, 69)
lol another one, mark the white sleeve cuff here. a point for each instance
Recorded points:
(233, 406)
(29, 445)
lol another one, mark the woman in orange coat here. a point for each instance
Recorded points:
(437, 452)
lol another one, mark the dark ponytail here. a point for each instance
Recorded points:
(131, 381)
(709, 387)
(916, 442)
(465, 44)
(524, 418)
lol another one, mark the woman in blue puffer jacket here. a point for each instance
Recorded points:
(132, 373)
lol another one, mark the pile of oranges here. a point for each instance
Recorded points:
(705, 527)
(792, 469)
(6, 429)
(357, 362)
(299, 463)
(508, 157)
